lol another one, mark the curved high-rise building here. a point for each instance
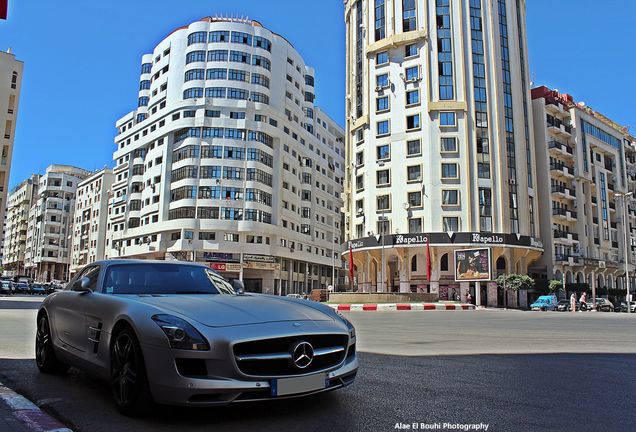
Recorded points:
(227, 160)
(439, 144)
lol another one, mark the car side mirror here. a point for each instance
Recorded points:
(83, 285)
(239, 286)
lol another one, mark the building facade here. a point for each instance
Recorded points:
(227, 160)
(10, 84)
(20, 201)
(587, 162)
(90, 219)
(439, 143)
(50, 219)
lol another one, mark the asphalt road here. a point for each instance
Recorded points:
(515, 371)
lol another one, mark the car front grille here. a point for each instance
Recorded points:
(274, 357)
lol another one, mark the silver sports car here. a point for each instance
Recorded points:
(178, 333)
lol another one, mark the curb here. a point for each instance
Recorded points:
(29, 414)
(385, 307)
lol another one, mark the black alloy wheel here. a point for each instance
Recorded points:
(45, 358)
(128, 379)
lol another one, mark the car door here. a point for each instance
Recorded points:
(68, 317)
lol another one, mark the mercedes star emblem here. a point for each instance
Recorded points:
(302, 354)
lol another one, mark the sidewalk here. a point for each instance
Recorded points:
(394, 307)
(18, 414)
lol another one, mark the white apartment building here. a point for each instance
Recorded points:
(439, 143)
(228, 161)
(21, 198)
(49, 224)
(10, 84)
(587, 160)
(90, 219)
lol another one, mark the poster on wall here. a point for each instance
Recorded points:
(472, 265)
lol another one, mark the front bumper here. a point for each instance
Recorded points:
(224, 383)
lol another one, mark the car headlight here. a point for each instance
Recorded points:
(352, 329)
(181, 334)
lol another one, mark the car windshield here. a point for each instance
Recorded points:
(164, 279)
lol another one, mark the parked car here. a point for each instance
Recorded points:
(298, 296)
(563, 305)
(22, 288)
(544, 303)
(51, 288)
(6, 288)
(179, 333)
(37, 289)
(604, 305)
(623, 307)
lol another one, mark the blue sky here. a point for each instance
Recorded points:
(82, 61)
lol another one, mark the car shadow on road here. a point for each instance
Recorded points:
(524, 392)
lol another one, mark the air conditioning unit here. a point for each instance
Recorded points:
(378, 89)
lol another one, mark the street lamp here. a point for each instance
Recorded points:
(624, 196)
(383, 219)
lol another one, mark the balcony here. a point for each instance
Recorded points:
(563, 192)
(564, 214)
(562, 170)
(557, 147)
(566, 259)
(565, 236)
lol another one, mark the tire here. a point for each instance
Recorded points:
(45, 358)
(128, 379)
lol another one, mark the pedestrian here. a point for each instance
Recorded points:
(583, 300)
(469, 298)
(573, 303)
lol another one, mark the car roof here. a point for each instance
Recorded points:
(111, 262)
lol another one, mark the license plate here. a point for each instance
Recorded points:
(287, 386)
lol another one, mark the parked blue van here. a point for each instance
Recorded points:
(545, 302)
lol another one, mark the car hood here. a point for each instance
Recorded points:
(233, 310)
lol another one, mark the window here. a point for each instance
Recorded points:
(443, 263)
(191, 93)
(259, 97)
(409, 20)
(449, 171)
(414, 173)
(230, 237)
(382, 80)
(415, 225)
(219, 36)
(413, 122)
(239, 57)
(360, 158)
(143, 101)
(234, 93)
(212, 113)
(382, 128)
(237, 115)
(146, 68)
(382, 104)
(449, 145)
(410, 50)
(384, 225)
(413, 73)
(415, 199)
(383, 178)
(194, 74)
(444, 50)
(383, 152)
(144, 85)
(413, 97)
(380, 20)
(261, 42)
(241, 38)
(485, 209)
(216, 73)
(197, 37)
(383, 202)
(382, 58)
(450, 224)
(261, 61)
(261, 80)
(447, 118)
(207, 236)
(359, 183)
(196, 56)
(238, 75)
(215, 92)
(413, 148)
(215, 55)
(450, 197)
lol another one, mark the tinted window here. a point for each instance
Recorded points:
(164, 279)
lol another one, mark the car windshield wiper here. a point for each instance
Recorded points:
(194, 292)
